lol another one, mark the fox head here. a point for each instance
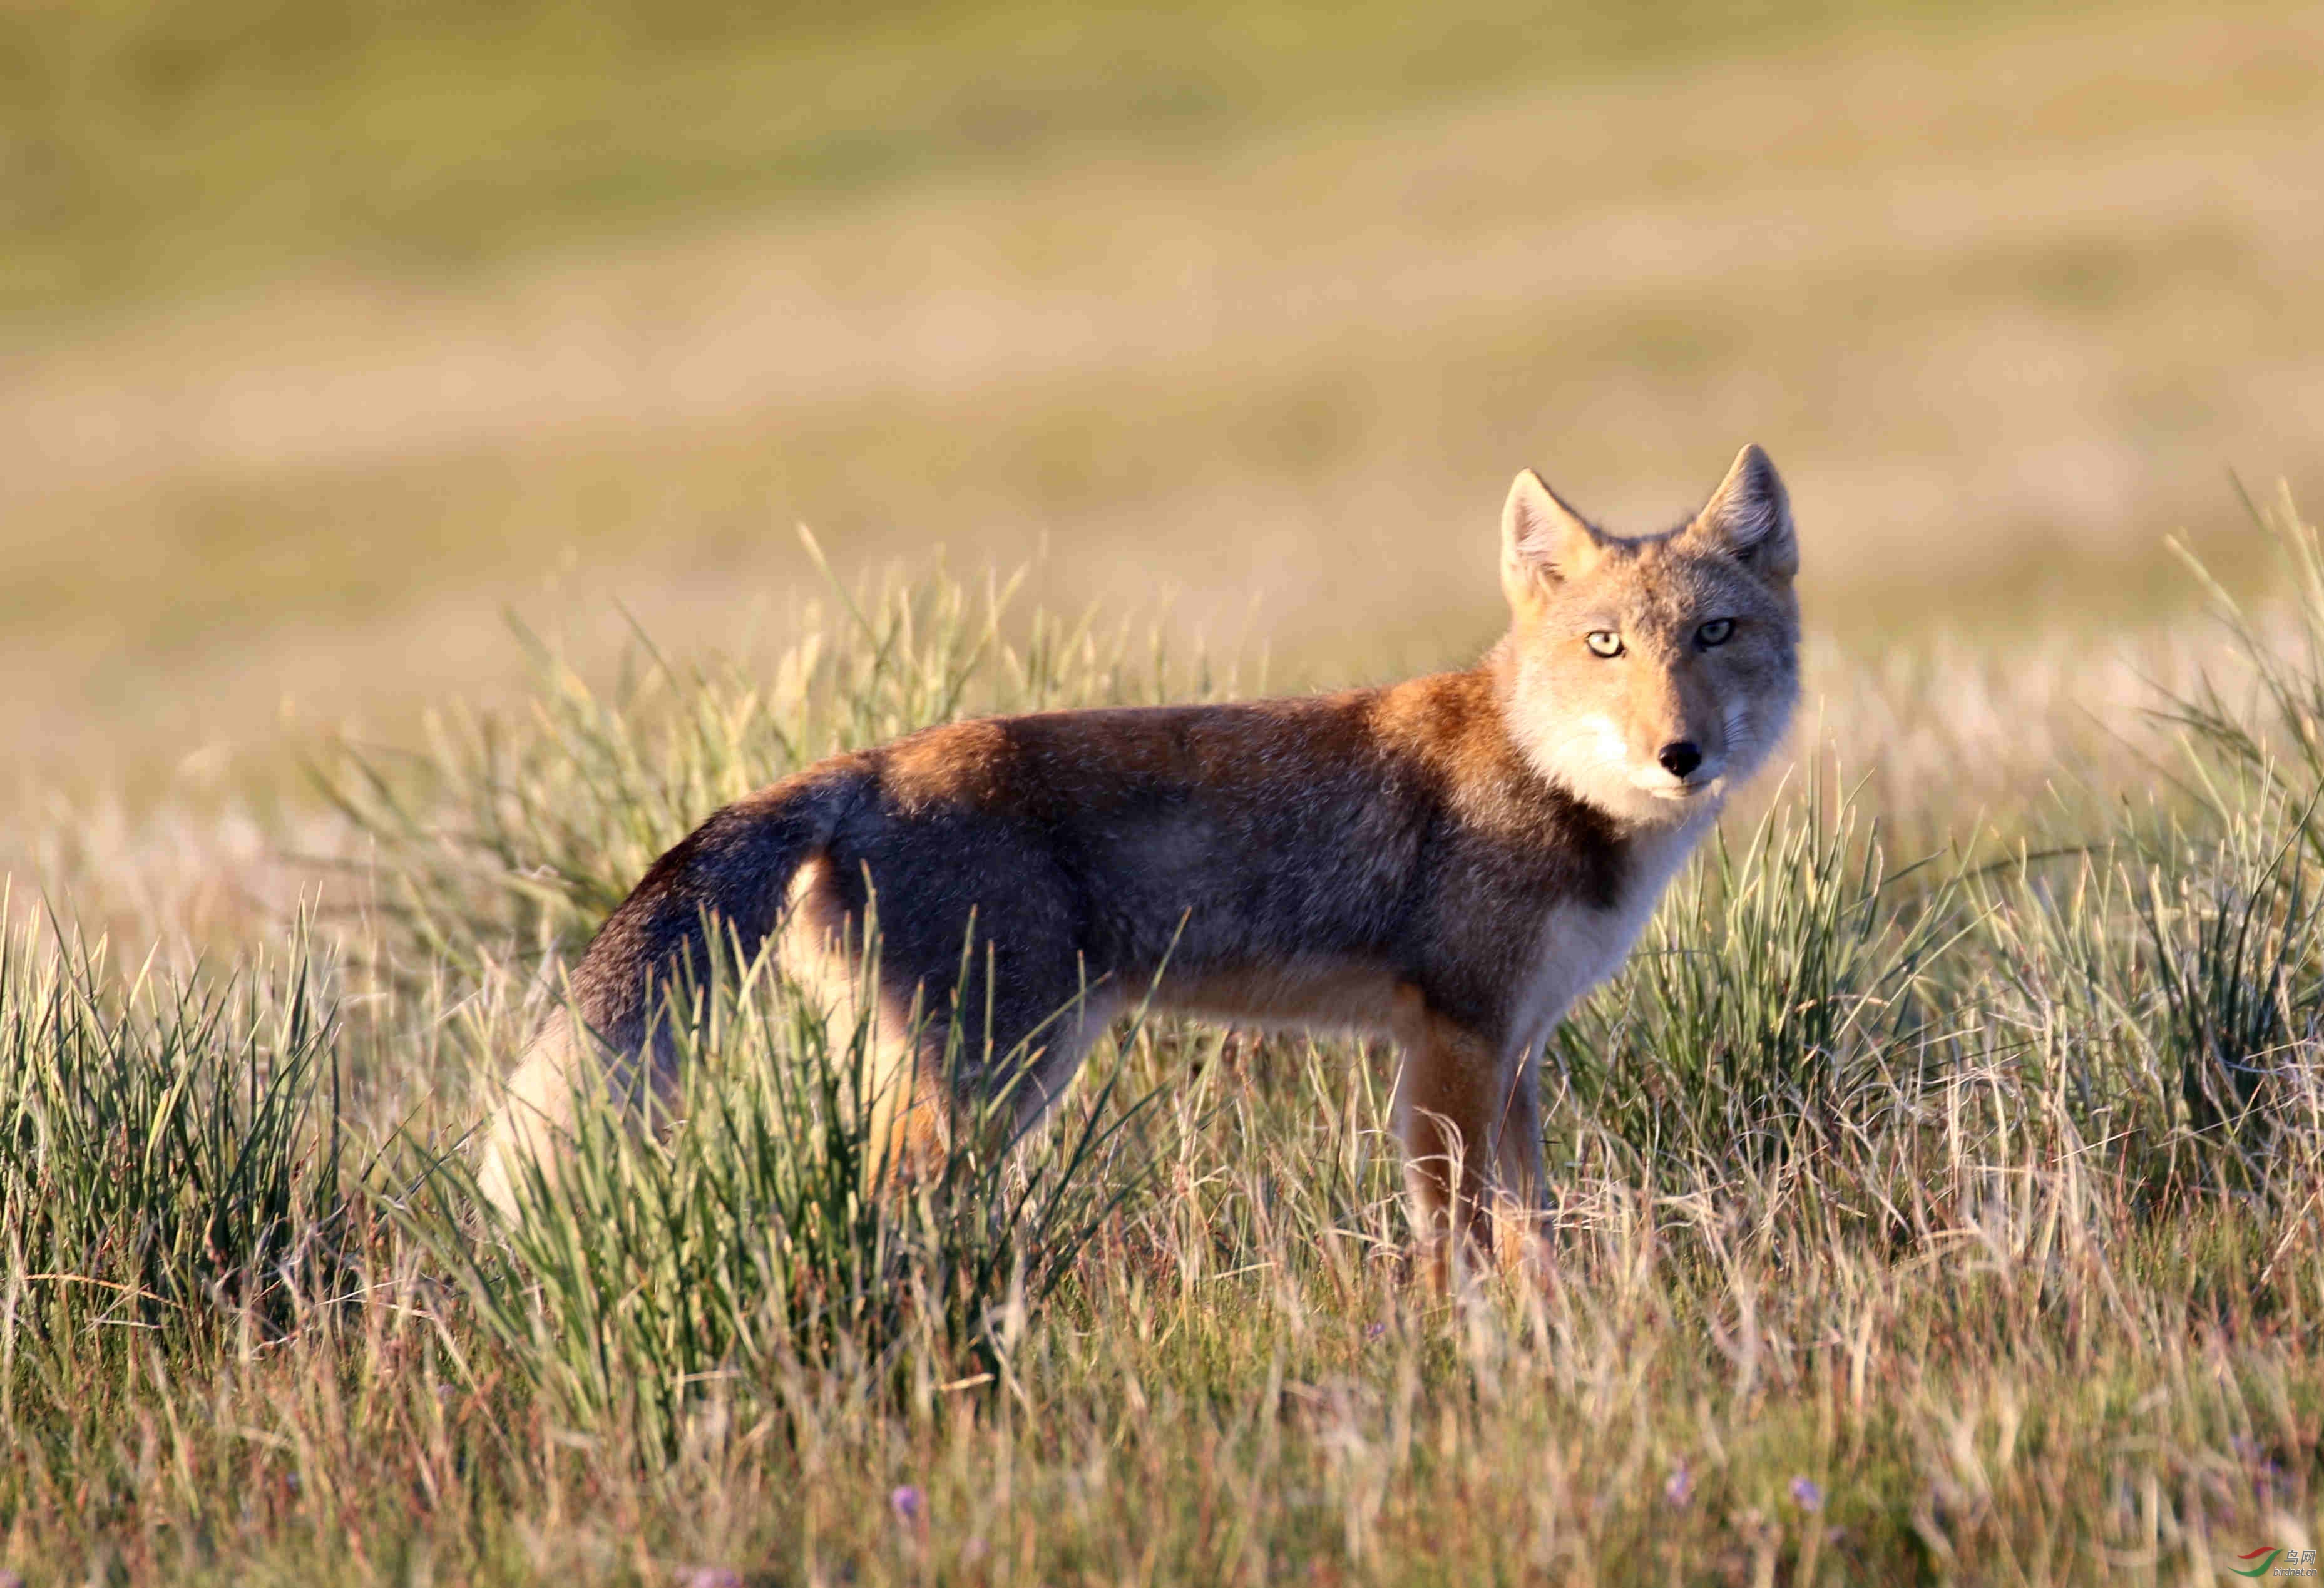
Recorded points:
(1650, 675)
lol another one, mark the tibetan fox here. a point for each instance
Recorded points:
(1450, 861)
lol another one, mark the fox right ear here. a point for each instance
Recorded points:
(1542, 540)
(1749, 517)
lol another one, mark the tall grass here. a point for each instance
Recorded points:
(2260, 738)
(766, 1235)
(173, 1153)
(1777, 1000)
(1913, 1222)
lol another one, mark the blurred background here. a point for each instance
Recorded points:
(331, 331)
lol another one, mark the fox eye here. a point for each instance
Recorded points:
(1605, 642)
(1716, 631)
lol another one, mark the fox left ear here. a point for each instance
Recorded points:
(1749, 517)
(1542, 540)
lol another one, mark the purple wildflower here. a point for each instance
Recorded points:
(907, 1502)
(1809, 1496)
(1679, 1487)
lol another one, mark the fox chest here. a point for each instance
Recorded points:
(1578, 945)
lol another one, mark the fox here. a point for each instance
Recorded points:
(1449, 862)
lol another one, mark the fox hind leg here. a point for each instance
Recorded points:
(1007, 1071)
(873, 1018)
(973, 1029)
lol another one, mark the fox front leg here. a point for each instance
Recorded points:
(1517, 1156)
(1449, 1105)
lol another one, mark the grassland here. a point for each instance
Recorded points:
(1937, 1193)
(1949, 1221)
(149, 154)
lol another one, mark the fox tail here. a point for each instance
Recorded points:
(731, 877)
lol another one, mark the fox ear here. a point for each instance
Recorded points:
(1749, 517)
(1542, 540)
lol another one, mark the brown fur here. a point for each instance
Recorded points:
(1449, 861)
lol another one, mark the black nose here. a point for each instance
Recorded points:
(1680, 759)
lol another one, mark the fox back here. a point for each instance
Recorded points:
(1450, 861)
